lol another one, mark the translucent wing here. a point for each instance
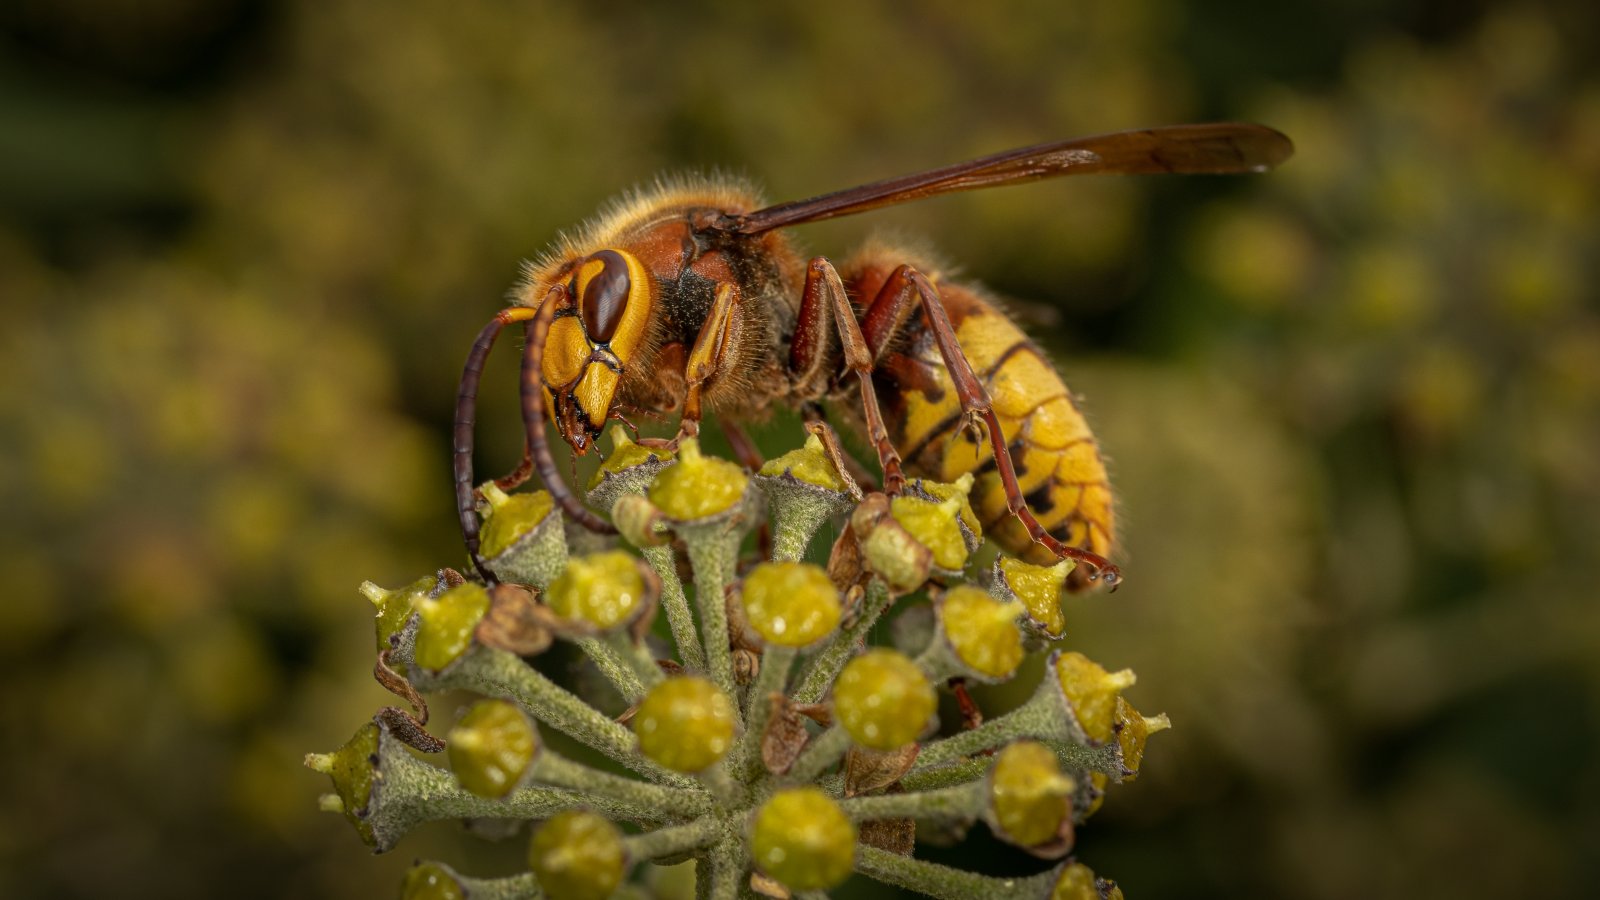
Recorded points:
(1217, 149)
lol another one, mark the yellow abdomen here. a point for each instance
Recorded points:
(1059, 470)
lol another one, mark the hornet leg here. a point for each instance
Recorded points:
(976, 409)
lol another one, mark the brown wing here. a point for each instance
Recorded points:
(1219, 149)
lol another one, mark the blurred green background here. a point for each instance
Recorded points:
(1353, 407)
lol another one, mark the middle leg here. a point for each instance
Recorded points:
(824, 296)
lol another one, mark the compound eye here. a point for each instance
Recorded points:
(605, 296)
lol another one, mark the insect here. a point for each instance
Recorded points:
(690, 299)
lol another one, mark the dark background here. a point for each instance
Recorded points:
(1353, 407)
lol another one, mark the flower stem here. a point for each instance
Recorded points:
(727, 865)
(961, 803)
(497, 673)
(940, 663)
(516, 887)
(1033, 719)
(612, 665)
(791, 536)
(824, 750)
(775, 664)
(826, 664)
(722, 786)
(944, 882)
(950, 775)
(676, 605)
(1044, 717)
(558, 771)
(673, 840)
(711, 552)
(411, 792)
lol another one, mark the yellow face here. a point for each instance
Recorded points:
(597, 330)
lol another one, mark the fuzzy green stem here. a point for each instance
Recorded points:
(614, 667)
(411, 792)
(950, 775)
(722, 785)
(825, 750)
(627, 664)
(1044, 717)
(558, 771)
(676, 605)
(825, 666)
(962, 803)
(776, 661)
(638, 655)
(711, 552)
(791, 536)
(497, 673)
(1030, 720)
(673, 840)
(727, 862)
(940, 662)
(515, 887)
(945, 883)
(797, 509)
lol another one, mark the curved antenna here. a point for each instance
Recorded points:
(466, 421)
(1223, 148)
(533, 417)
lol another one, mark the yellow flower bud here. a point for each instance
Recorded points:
(803, 840)
(603, 589)
(1078, 882)
(430, 881)
(511, 517)
(883, 700)
(935, 526)
(982, 631)
(491, 748)
(1091, 692)
(809, 464)
(577, 855)
(1029, 795)
(448, 623)
(697, 486)
(789, 603)
(685, 723)
(1038, 589)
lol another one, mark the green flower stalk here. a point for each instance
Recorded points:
(767, 736)
(805, 488)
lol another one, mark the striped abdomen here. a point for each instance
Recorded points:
(1058, 464)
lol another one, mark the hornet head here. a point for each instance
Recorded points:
(596, 330)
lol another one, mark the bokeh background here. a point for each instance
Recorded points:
(1353, 406)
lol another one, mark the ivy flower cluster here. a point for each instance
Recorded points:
(777, 748)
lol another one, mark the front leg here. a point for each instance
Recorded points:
(706, 358)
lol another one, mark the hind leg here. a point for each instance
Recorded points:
(977, 412)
